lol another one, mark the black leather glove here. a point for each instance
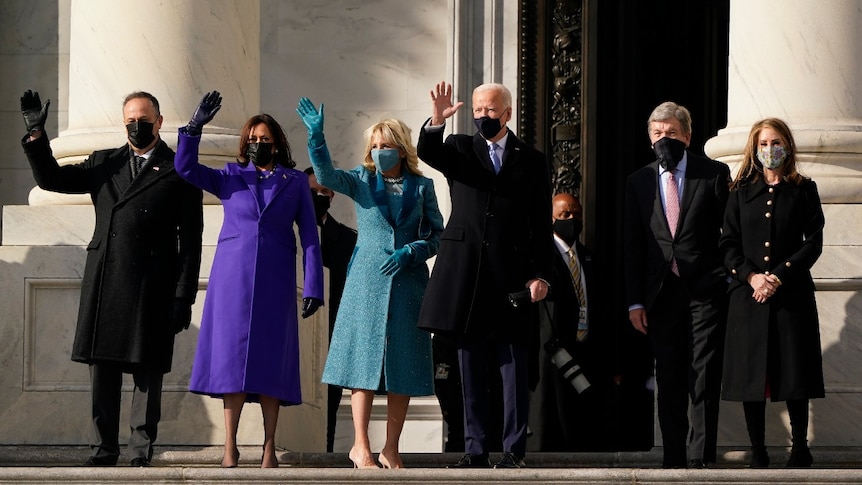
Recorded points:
(310, 305)
(204, 113)
(34, 113)
(181, 317)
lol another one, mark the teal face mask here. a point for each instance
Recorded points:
(385, 158)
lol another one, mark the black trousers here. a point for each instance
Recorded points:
(107, 382)
(511, 362)
(687, 337)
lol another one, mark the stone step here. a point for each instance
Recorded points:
(199, 465)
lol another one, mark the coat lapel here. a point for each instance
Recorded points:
(159, 165)
(480, 146)
(410, 193)
(693, 182)
(282, 181)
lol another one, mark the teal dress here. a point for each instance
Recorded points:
(375, 344)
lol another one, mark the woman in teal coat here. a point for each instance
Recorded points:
(376, 346)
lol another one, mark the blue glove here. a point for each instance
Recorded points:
(310, 305)
(313, 120)
(398, 260)
(34, 113)
(204, 113)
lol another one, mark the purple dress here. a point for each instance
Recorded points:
(249, 341)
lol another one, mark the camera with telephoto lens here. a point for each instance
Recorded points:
(567, 366)
(519, 298)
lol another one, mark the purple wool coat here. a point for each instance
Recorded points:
(249, 340)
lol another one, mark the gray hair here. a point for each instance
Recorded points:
(503, 91)
(668, 110)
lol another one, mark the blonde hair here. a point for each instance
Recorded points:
(751, 169)
(397, 133)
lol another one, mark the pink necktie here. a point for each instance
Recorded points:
(672, 212)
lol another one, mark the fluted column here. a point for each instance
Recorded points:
(798, 60)
(174, 49)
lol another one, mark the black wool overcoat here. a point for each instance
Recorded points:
(145, 252)
(777, 230)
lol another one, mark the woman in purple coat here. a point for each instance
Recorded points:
(248, 348)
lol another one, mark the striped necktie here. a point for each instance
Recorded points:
(575, 270)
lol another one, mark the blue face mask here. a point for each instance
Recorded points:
(385, 158)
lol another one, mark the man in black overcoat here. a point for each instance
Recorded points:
(676, 282)
(495, 243)
(141, 275)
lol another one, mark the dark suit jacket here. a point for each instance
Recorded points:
(560, 419)
(145, 252)
(496, 240)
(336, 248)
(649, 246)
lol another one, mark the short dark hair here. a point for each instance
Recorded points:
(309, 171)
(146, 95)
(282, 154)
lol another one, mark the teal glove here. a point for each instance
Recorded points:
(396, 262)
(313, 120)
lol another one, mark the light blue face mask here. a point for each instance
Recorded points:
(772, 157)
(385, 158)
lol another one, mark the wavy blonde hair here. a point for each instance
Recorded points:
(751, 169)
(398, 134)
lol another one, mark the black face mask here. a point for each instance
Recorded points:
(140, 134)
(488, 127)
(321, 205)
(568, 229)
(669, 151)
(259, 154)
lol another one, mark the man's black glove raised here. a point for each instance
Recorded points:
(34, 113)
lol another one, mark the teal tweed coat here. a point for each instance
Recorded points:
(376, 344)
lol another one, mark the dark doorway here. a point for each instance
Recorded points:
(634, 55)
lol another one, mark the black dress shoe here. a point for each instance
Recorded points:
(472, 461)
(140, 462)
(101, 461)
(800, 458)
(509, 460)
(759, 457)
(697, 464)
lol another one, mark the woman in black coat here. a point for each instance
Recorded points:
(773, 234)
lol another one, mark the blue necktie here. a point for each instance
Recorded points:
(495, 160)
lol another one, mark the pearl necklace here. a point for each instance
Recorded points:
(261, 175)
(393, 180)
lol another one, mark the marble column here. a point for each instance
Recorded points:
(176, 50)
(799, 61)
